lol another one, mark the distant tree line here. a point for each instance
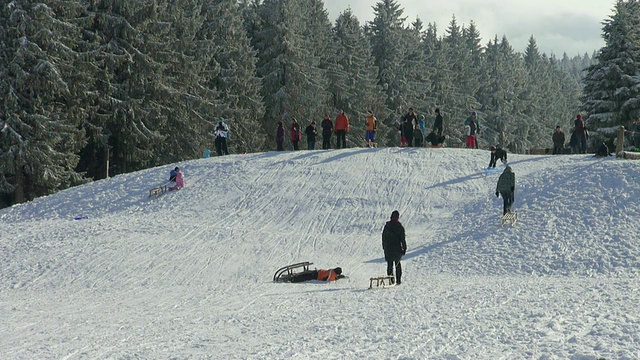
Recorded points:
(137, 84)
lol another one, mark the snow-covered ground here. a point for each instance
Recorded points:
(188, 275)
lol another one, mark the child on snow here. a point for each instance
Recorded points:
(179, 181)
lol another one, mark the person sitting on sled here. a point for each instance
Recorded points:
(435, 139)
(319, 274)
(497, 153)
(179, 179)
(173, 173)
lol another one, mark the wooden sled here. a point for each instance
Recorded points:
(382, 281)
(509, 218)
(286, 272)
(158, 190)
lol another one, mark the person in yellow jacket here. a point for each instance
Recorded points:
(342, 128)
(320, 274)
(371, 125)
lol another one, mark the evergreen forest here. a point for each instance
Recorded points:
(96, 88)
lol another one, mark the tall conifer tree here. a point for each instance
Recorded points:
(41, 79)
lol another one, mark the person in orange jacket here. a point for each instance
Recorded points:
(320, 274)
(370, 129)
(342, 128)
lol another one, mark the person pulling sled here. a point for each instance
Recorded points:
(506, 188)
(394, 245)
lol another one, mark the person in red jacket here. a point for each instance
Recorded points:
(296, 134)
(342, 128)
(320, 274)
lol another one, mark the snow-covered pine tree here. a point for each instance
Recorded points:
(386, 33)
(235, 81)
(503, 114)
(459, 46)
(612, 85)
(183, 102)
(127, 115)
(293, 84)
(441, 85)
(41, 84)
(355, 87)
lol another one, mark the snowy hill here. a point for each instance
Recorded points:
(188, 275)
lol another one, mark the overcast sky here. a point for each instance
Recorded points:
(571, 26)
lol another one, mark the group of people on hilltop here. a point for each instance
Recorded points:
(340, 128)
(413, 127)
(577, 141)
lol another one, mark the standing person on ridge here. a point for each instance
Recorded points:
(280, 137)
(409, 121)
(474, 124)
(394, 245)
(471, 129)
(422, 123)
(342, 128)
(371, 125)
(558, 141)
(506, 188)
(327, 129)
(296, 135)
(222, 133)
(417, 136)
(580, 131)
(437, 123)
(311, 132)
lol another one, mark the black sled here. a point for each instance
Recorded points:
(284, 274)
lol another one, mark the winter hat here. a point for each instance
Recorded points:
(395, 214)
(220, 119)
(578, 116)
(421, 117)
(493, 148)
(473, 113)
(338, 270)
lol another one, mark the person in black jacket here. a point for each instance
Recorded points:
(394, 245)
(437, 124)
(311, 132)
(408, 122)
(497, 153)
(327, 129)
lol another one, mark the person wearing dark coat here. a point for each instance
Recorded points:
(497, 153)
(394, 245)
(327, 129)
(311, 132)
(506, 188)
(222, 133)
(558, 141)
(437, 124)
(408, 123)
(434, 139)
(280, 136)
(580, 131)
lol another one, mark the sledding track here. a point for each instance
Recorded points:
(189, 274)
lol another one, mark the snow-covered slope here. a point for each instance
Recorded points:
(188, 275)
